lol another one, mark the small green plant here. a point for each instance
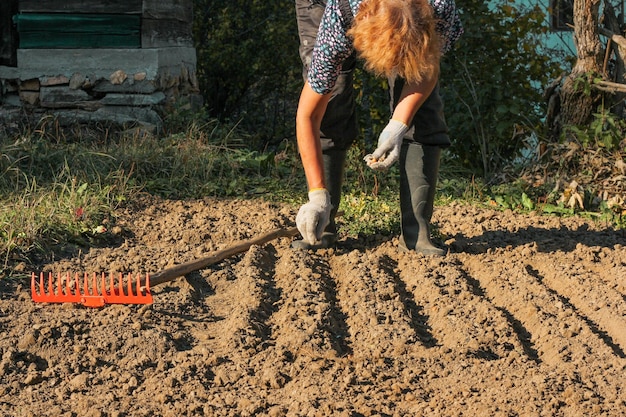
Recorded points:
(583, 83)
(368, 214)
(38, 216)
(371, 199)
(605, 131)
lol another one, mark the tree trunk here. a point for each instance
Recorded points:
(578, 106)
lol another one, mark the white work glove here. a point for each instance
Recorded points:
(314, 216)
(389, 143)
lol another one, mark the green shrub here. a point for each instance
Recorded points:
(493, 82)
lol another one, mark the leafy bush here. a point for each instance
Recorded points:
(248, 64)
(492, 82)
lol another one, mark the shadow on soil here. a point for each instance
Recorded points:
(547, 240)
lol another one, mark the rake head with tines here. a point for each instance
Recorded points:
(91, 291)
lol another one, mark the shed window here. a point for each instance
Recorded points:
(8, 34)
(562, 14)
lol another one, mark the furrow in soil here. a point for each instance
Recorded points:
(561, 336)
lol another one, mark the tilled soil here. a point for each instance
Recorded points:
(526, 316)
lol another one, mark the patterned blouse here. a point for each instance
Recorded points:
(333, 45)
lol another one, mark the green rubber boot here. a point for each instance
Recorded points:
(334, 163)
(419, 167)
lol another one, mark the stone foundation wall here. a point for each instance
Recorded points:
(134, 86)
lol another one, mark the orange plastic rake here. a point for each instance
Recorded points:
(95, 291)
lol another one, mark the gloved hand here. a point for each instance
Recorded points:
(389, 143)
(314, 216)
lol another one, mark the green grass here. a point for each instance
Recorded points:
(58, 188)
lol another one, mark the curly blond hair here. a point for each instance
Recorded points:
(397, 37)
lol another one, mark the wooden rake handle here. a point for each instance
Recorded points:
(174, 272)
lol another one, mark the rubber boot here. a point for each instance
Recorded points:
(419, 168)
(334, 163)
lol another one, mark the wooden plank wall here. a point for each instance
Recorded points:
(78, 30)
(82, 6)
(181, 10)
(167, 23)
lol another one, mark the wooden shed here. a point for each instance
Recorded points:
(120, 61)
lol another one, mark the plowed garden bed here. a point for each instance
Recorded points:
(525, 317)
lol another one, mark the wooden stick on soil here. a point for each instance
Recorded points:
(174, 272)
